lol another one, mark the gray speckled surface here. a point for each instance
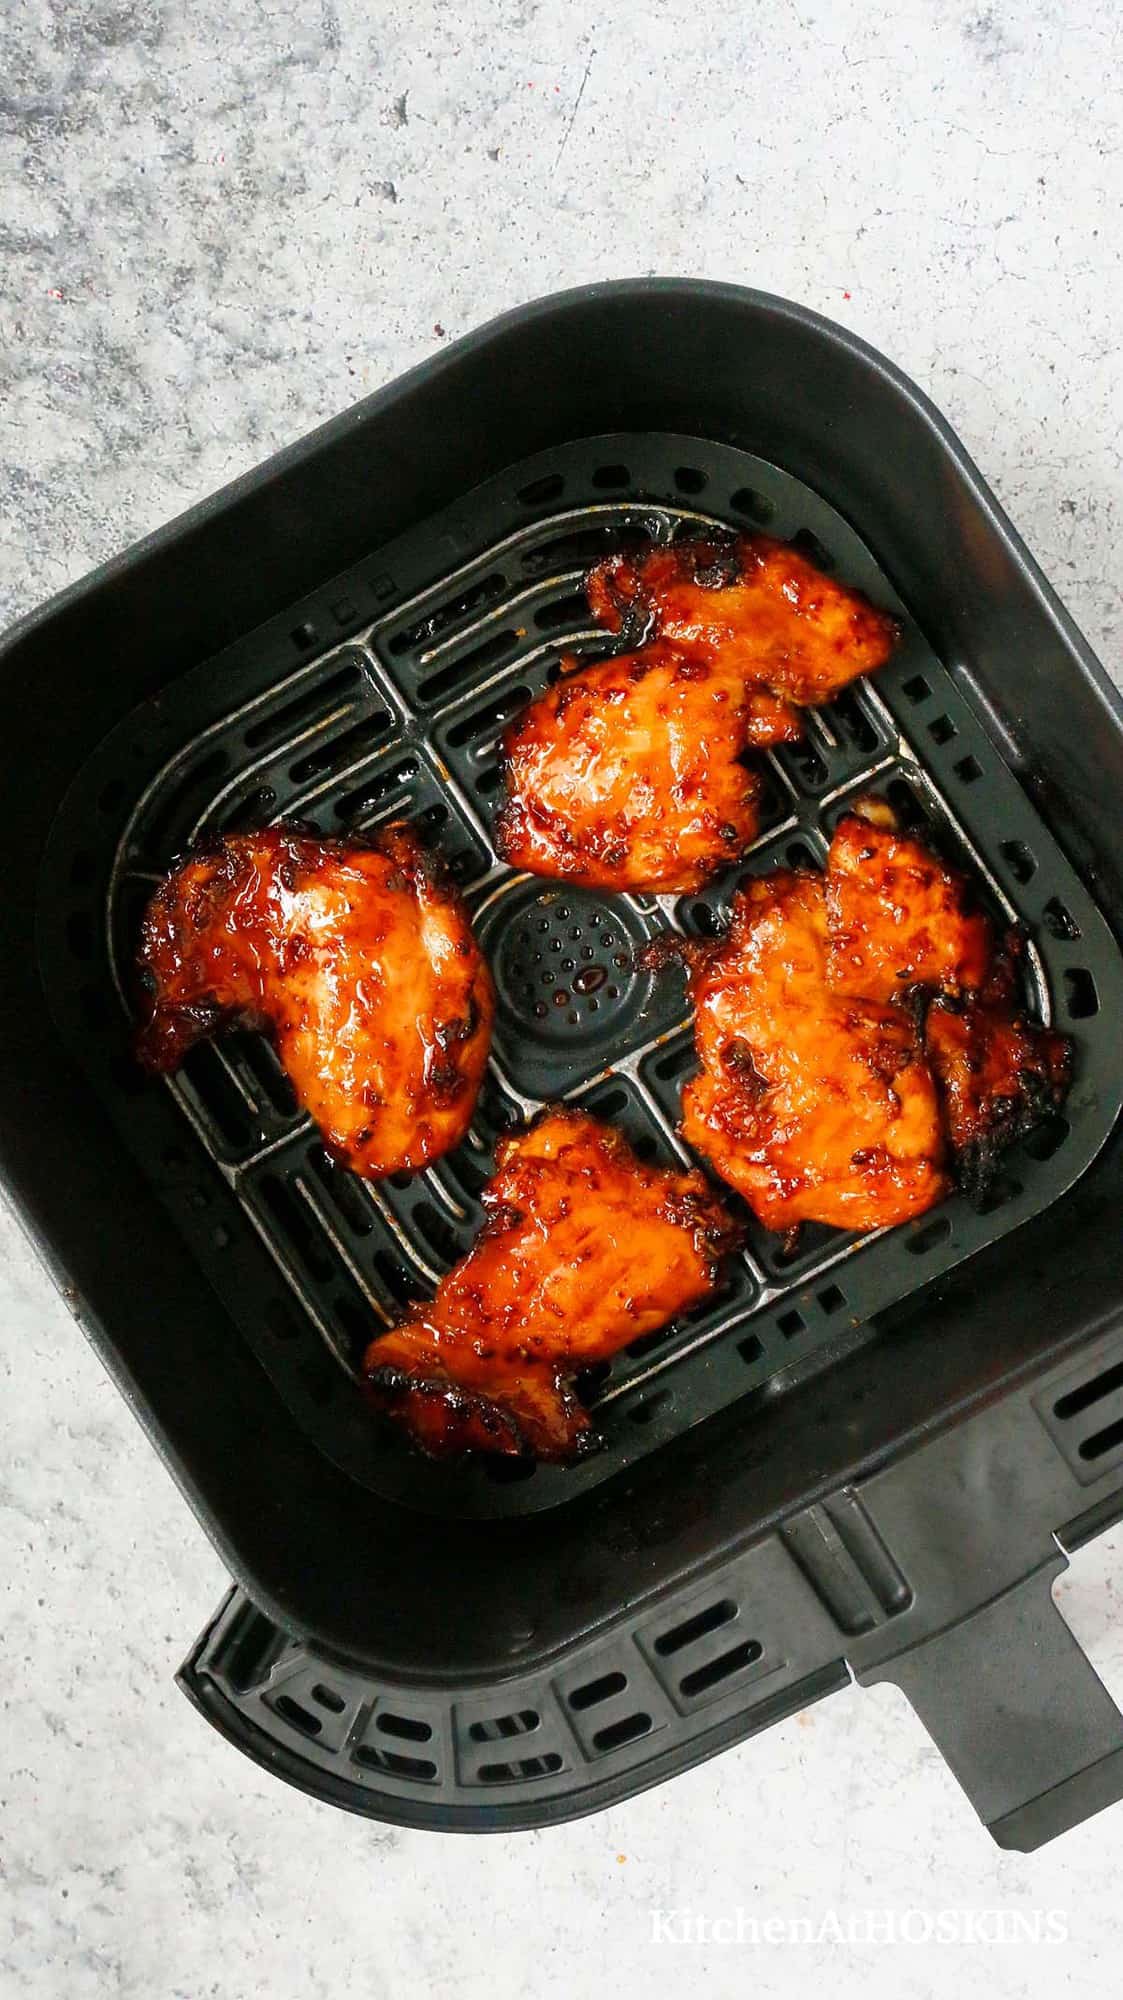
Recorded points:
(216, 227)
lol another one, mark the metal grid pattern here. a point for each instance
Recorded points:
(403, 719)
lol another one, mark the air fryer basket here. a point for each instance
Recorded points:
(404, 718)
(764, 1515)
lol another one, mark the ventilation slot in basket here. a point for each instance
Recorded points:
(342, 750)
(374, 1758)
(496, 1727)
(277, 724)
(442, 622)
(594, 1692)
(712, 1673)
(698, 1627)
(526, 1767)
(615, 1734)
(487, 654)
(300, 1717)
(408, 1728)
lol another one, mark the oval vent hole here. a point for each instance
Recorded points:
(1005, 1188)
(676, 1062)
(807, 764)
(1059, 922)
(561, 612)
(1103, 1441)
(479, 596)
(339, 751)
(927, 1238)
(549, 487)
(1081, 997)
(509, 1471)
(277, 723)
(527, 1767)
(1047, 1138)
(810, 546)
(714, 1671)
(906, 805)
(706, 921)
(597, 1691)
(1019, 860)
(394, 1761)
(436, 1231)
(693, 1629)
(758, 509)
(485, 721)
(406, 1727)
(301, 1718)
(642, 1413)
(80, 934)
(1101, 1385)
(279, 1318)
(615, 1734)
(518, 1724)
(327, 1698)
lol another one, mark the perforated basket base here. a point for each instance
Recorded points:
(437, 642)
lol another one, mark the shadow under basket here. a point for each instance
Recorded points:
(865, 1458)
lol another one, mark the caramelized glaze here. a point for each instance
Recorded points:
(628, 773)
(898, 916)
(585, 1248)
(815, 1106)
(356, 955)
(998, 1073)
(765, 608)
(859, 1037)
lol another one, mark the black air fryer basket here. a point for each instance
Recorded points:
(870, 1456)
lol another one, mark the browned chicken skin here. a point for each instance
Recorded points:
(771, 615)
(358, 957)
(997, 1073)
(898, 916)
(584, 1249)
(856, 1029)
(627, 774)
(815, 1106)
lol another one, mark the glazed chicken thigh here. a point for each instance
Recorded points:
(759, 603)
(814, 1105)
(356, 955)
(898, 916)
(860, 1042)
(584, 1249)
(628, 773)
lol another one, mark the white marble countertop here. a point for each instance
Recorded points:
(217, 227)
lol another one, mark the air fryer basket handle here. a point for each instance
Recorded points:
(1019, 1713)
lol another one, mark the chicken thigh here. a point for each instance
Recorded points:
(585, 1248)
(356, 955)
